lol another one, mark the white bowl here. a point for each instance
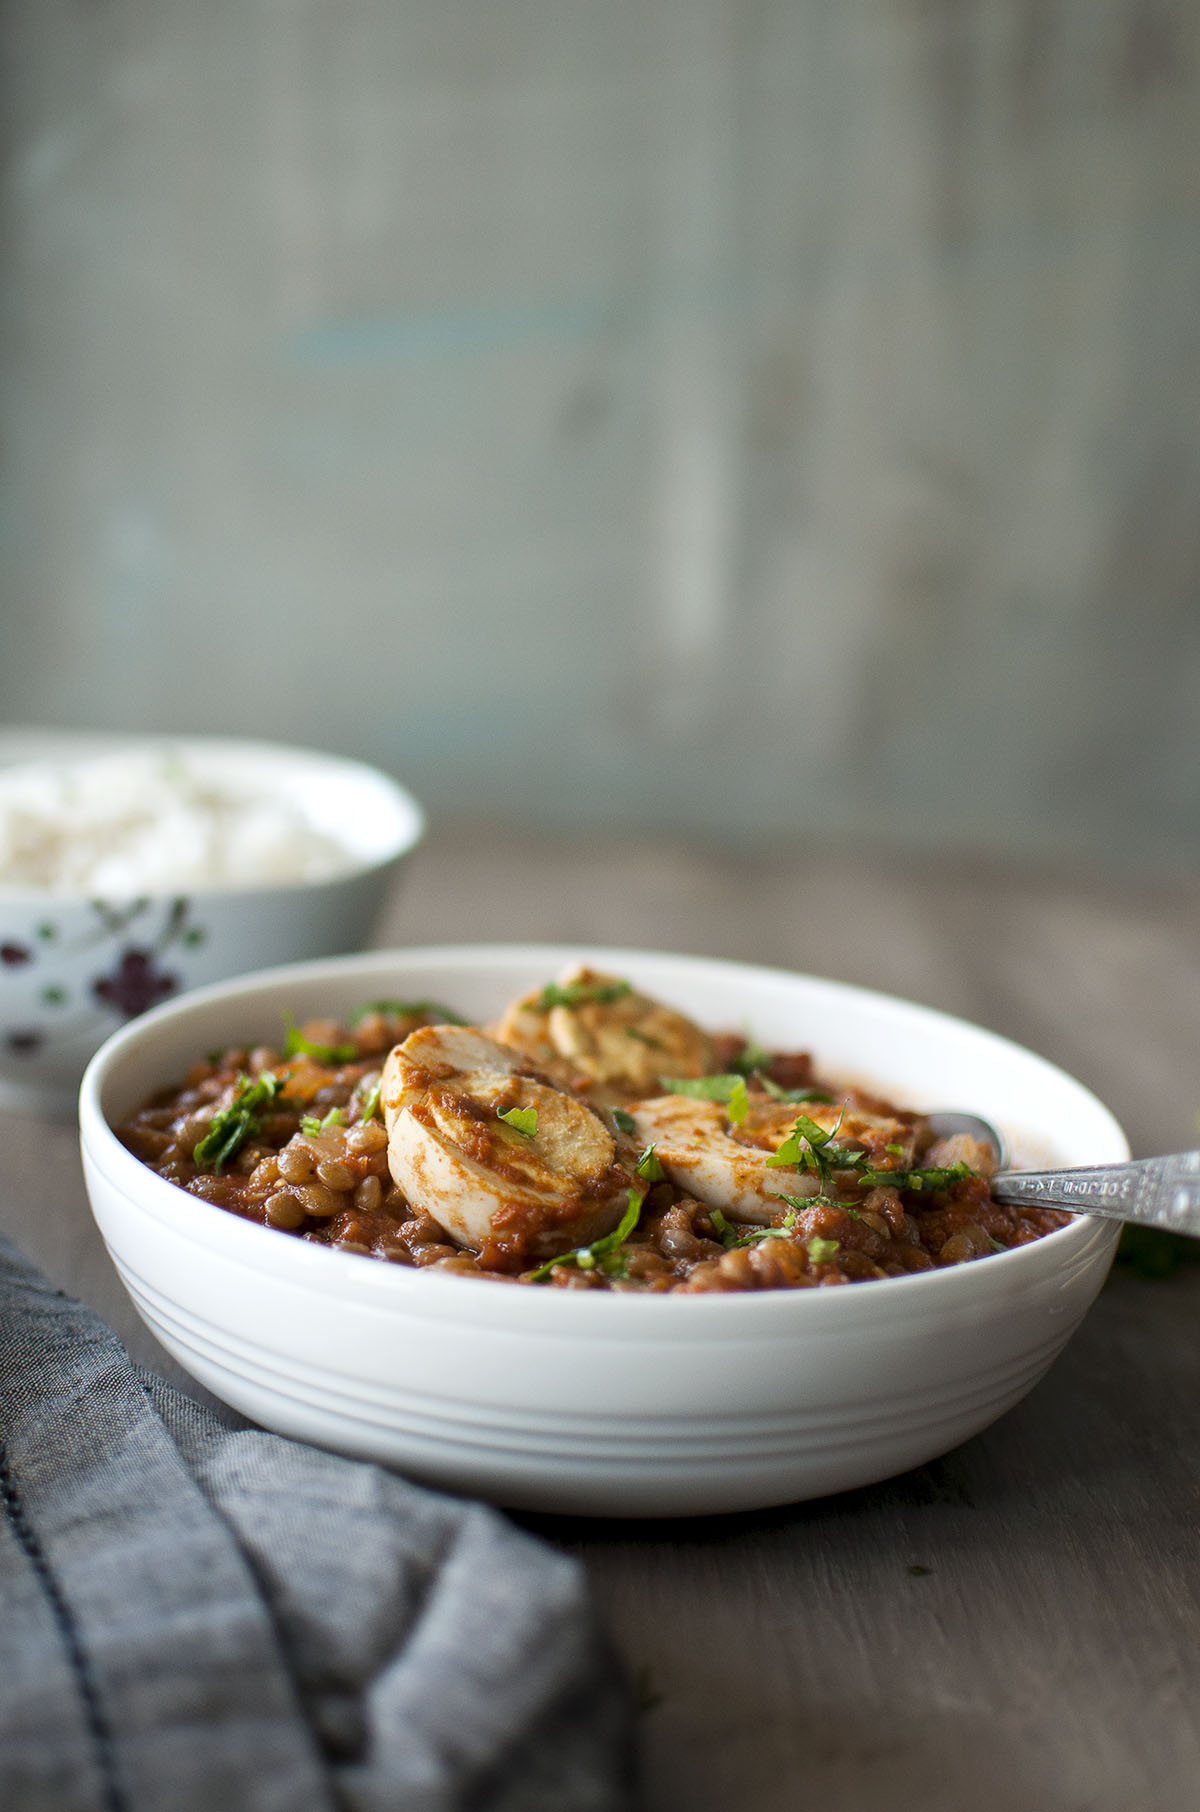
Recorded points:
(72, 967)
(591, 1402)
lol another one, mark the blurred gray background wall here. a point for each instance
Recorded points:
(746, 416)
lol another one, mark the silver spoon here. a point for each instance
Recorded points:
(1151, 1192)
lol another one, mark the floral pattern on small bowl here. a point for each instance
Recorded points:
(135, 977)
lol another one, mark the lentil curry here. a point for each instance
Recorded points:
(591, 1138)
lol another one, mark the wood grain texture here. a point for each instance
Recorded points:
(1014, 1626)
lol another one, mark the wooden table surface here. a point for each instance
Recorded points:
(1016, 1626)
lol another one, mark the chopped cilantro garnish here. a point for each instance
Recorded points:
(739, 1104)
(643, 1037)
(648, 1166)
(233, 1125)
(821, 1250)
(370, 1101)
(580, 994)
(311, 1125)
(296, 1045)
(810, 1146)
(602, 1251)
(750, 1058)
(409, 1009)
(933, 1177)
(731, 1239)
(797, 1202)
(621, 1120)
(794, 1096)
(523, 1120)
(703, 1088)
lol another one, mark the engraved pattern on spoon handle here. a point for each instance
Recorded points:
(1153, 1192)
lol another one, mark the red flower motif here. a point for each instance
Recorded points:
(13, 954)
(135, 984)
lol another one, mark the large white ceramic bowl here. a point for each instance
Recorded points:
(592, 1402)
(73, 967)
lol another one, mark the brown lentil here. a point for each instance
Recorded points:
(296, 1164)
(284, 1209)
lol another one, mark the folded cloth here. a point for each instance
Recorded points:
(197, 1616)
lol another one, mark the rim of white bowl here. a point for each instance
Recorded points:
(424, 1292)
(407, 815)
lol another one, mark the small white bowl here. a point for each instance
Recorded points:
(72, 968)
(590, 1402)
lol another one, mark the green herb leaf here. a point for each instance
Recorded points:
(522, 1119)
(810, 1146)
(931, 1178)
(643, 1037)
(793, 1096)
(369, 1101)
(821, 1250)
(410, 1009)
(311, 1125)
(702, 1088)
(751, 1236)
(296, 1045)
(601, 1250)
(581, 993)
(738, 1105)
(649, 1167)
(233, 1125)
(800, 1149)
(750, 1058)
(621, 1120)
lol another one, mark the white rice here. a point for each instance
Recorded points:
(144, 822)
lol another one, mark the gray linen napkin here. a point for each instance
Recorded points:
(196, 1616)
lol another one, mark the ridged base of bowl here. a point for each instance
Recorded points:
(593, 1464)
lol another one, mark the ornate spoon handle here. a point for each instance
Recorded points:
(1153, 1192)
